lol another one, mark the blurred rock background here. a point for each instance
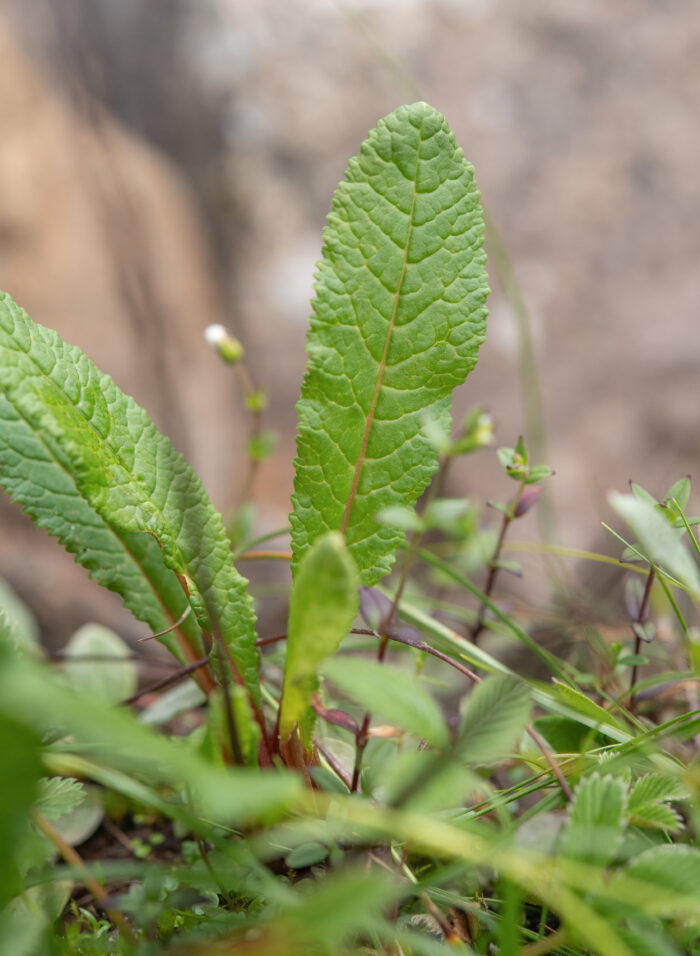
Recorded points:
(165, 165)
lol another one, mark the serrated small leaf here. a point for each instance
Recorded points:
(79, 824)
(397, 321)
(653, 788)
(89, 669)
(87, 464)
(59, 795)
(389, 693)
(496, 714)
(596, 818)
(322, 607)
(657, 816)
(658, 541)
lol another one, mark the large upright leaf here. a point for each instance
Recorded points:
(397, 321)
(88, 465)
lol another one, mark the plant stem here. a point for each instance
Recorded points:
(362, 737)
(167, 681)
(254, 430)
(639, 620)
(508, 516)
(549, 757)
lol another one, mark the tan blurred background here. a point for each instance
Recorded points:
(165, 164)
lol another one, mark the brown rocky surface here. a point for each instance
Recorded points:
(581, 121)
(100, 240)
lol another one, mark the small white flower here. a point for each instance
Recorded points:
(214, 334)
(221, 340)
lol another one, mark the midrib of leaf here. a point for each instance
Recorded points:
(387, 344)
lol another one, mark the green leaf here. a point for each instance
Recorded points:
(322, 607)
(117, 740)
(20, 770)
(22, 623)
(647, 939)
(641, 494)
(183, 696)
(657, 816)
(658, 541)
(89, 668)
(653, 788)
(393, 694)
(442, 787)
(308, 854)
(538, 473)
(564, 736)
(87, 464)
(647, 807)
(25, 921)
(596, 819)
(335, 907)
(671, 873)
(679, 492)
(81, 822)
(590, 713)
(398, 318)
(59, 795)
(496, 714)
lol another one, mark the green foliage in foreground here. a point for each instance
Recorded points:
(444, 796)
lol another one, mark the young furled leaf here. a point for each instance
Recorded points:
(397, 321)
(88, 465)
(322, 607)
